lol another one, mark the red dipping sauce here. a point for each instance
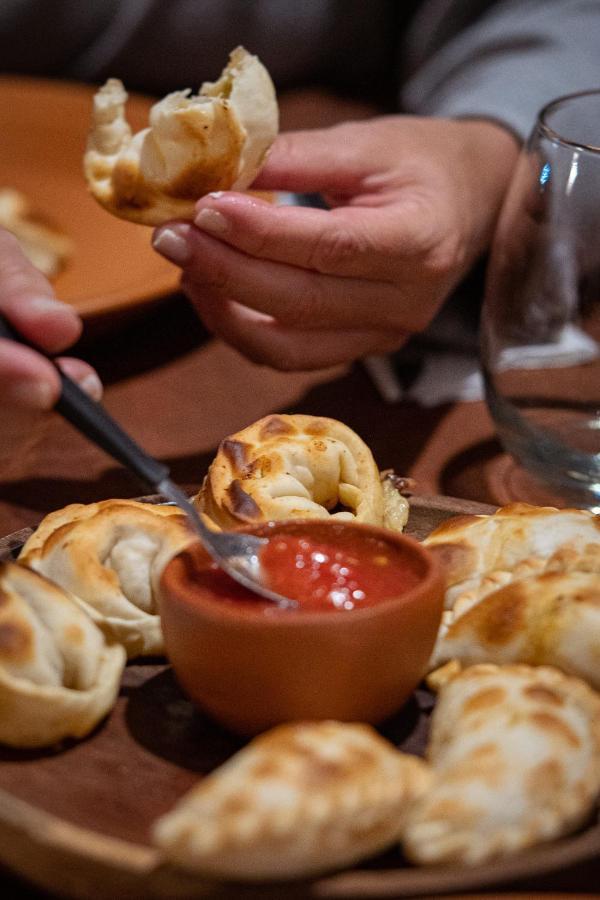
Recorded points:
(353, 571)
(369, 603)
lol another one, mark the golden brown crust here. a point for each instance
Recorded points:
(297, 466)
(58, 675)
(109, 555)
(552, 619)
(214, 141)
(480, 553)
(516, 757)
(298, 800)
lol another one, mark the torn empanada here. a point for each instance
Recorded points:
(298, 800)
(297, 466)
(481, 553)
(216, 140)
(551, 619)
(515, 752)
(110, 556)
(58, 675)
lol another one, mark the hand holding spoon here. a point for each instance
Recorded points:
(237, 554)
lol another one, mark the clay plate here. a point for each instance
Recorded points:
(76, 821)
(44, 127)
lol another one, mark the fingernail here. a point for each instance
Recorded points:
(32, 394)
(48, 304)
(172, 245)
(216, 194)
(92, 385)
(212, 220)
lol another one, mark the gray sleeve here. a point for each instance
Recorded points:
(508, 63)
(43, 37)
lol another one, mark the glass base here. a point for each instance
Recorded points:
(510, 482)
(556, 448)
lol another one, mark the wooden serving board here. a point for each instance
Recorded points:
(76, 820)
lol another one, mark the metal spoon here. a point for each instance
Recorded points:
(237, 554)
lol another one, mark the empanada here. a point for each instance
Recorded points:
(515, 752)
(110, 556)
(297, 466)
(480, 553)
(47, 248)
(58, 675)
(216, 140)
(551, 619)
(298, 800)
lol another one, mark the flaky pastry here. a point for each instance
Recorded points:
(298, 800)
(58, 675)
(215, 140)
(110, 556)
(482, 553)
(515, 752)
(297, 466)
(551, 619)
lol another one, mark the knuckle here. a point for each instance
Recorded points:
(257, 244)
(447, 256)
(217, 278)
(309, 310)
(333, 250)
(289, 149)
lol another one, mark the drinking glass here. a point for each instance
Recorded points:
(540, 333)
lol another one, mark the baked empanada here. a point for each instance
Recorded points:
(58, 675)
(515, 752)
(480, 553)
(47, 248)
(297, 466)
(216, 140)
(298, 800)
(551, 619)
(110, 556)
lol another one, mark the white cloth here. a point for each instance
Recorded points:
(448, 375)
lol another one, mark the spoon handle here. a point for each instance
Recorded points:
(91, 419)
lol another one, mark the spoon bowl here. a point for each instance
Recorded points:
(237, 553)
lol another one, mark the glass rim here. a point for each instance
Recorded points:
(556, 136)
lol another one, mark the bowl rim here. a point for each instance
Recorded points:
(431, 579)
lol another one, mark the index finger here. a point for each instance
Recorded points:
(361, 242)
(28, 301)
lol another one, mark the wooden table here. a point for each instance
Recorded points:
(179, 392)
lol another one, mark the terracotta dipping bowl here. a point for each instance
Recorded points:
(253, 665)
